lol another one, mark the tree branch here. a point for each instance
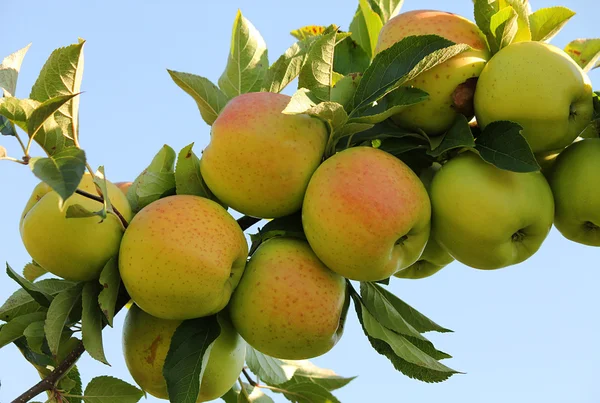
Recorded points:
(100, 199)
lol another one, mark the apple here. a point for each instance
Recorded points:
(259, 160)
(72, 248)
(574, 181)
(366, 214)
(181, 257)
(124, 186)
(540, 87)
(146, 341)
(438, 112)
(486, 217)
(288, 304)
(433, 259)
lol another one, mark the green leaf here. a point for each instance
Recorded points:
(32, 271)
(62, 172)
(390, 105)
(100, 182)
(187, 357)
(349, 57)
(305, 371)
(231, 396)
(22, 303)
(31, 356)
(502, 144)
(400, 63)
(289, 227)
(365, 27)
(248, 61)
(45, 111)
(343, 91)
(288, 66)
(309, 392)
(483, 11)
(78, 211)
(14, 329)
(458, 136)
(156, 181)
(268, 369)
(523, 10)
(330, 113)
(547, 22)
(9, 71)
(188, 178)
(106, 389)
(71, 384)
(91, 322)
(301, 101)
(585, 52)
(40, 296)
(255, 395)
(399, 146)
(7, 128)
(61, 78)
(386, 9)
(58, 314)
(308, 31)
(35, 336)
(17, 110)
(209, 98)
(110, 281)
(504, 26)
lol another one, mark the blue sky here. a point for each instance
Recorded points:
(527, 333)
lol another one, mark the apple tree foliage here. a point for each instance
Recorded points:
(342, 82)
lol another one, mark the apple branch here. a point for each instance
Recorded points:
(100, 199)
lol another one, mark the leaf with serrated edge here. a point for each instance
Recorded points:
(76, 389)
(44, 111)
(585, 52)
(58, 313)
(386, 9)
(14, 329)
(248, 61)
(306, 371)
(308, 31)
(365, 27)
(32, 271)
(187, 357)
(308, 392)
(458, 136)
(523, 10)
(504, 26)
(272, 371)
(18, 111)
(9, 70)
(106, 389)
(91, 322)
(209, 98)
(502, 144)
(391, 104)
(288, 66)
(110, 281)
(21, 303)
(41, 297)
(547, 22)
(301, 101)
(331, 113)
(35, 336)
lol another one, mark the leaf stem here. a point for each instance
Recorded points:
(14, 160)
(21, 144)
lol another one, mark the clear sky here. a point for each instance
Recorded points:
(527, 333)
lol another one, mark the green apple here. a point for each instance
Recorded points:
(288, 304)
(433, 259)
(146, 341)
(574, 181)
(259, 160)
(438, 112)
(366, 214)
(540, 87)
(181, 257)
(72, 248)
(486, 217)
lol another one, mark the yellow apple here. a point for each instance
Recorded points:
(437, 113)
(124, 186)
(538, 86)
(259, 160)
(72, 248)
(181, 257)
(366, 214)
(146, 341)
(288, 304)
(433, 259)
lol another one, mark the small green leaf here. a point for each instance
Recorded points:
(14, 329)
(484, 10)
(288, 66)
(209, 98)
(100, 182)
(58, 314)
(301, 101)
(458, 136)
(391, 104)
(289, 227)
(305, 371)
(40, 296)
(17, 110)
(504, 26)
(106, 389)
(523, 10)
(74, 383)
(350, 58)
(91, 322)
(9, 71)
(62, 171)
(78, 211)
(343, 91)
(35, 336)
(502, 144)
(308, 31)
(34, 358)
(110, 281)
(22, 303)
(248, 61)
(7, 128)
(365, 27)
(187, 357)
(386, 9)
(32, 271)
(330, 113)
(255, 395)
(270, 370)
(309, 392)
(585, 52)
(547, 22)
(316, 74)
(45, 111)
(188, 178)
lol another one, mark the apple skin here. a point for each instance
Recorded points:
(288, 304)
(540, 87)
(124, 186)
(433, 259)
(486, 217)
(436, 114)
(259, 160)
(72, 248)
(181, 257)
(366, 214)
(574, 181)
(146, 341)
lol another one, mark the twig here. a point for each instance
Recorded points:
(246, 222)
(100, 199)
(14, 160)
(249, 378)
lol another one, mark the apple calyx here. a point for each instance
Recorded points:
(462, 97)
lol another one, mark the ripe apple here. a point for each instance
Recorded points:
(72, 248)
(574, 181)
(146, 341)
(436, 114)
(124, 186)
(366, 214)
(540, 87)
(181, 257)
(433, 259)
(259, 160)
(288, 304)
(486, 217)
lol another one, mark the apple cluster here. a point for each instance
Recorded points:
(365, 214)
